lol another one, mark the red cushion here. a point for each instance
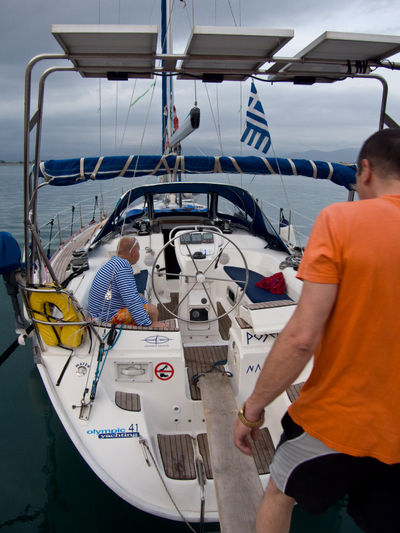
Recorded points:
(274, 283)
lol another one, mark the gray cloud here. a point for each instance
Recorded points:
(324, 117)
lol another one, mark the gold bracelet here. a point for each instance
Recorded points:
(258, 423)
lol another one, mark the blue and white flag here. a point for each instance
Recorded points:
(256, 132)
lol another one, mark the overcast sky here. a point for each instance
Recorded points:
(325, 117)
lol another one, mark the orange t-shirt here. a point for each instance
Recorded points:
(351, 401)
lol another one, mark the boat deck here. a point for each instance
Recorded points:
(61, 262)
(201, 359)
(178, 453)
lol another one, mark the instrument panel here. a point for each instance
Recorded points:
(197, 238)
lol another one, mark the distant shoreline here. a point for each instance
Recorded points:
(10, 163)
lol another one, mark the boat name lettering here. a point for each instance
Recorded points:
(133, 429)
(128, 435)
(254, 369)
(259, 338)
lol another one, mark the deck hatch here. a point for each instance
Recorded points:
(177, 456)
(127, 401)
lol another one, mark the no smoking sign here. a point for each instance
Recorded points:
(164, 371)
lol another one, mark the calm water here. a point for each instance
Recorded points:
(46, 486)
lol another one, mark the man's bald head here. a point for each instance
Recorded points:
(128, 248)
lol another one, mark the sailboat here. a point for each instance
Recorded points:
(149, 409)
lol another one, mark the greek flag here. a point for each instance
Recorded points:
(256, 132)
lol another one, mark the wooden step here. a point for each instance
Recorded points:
(237, 483)
(199, 359)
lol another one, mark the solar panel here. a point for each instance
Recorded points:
(230, 53)
(350, 51)
(101, 50)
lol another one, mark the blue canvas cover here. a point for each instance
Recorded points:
(240, 197)
(10, 253)
(71, 171)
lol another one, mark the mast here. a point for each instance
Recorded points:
(167, 87)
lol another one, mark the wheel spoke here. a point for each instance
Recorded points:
(186, 295)
(209, 299)
(201, 279)
(216, 259)
(226, 279)
(192, 258)
(176, 275)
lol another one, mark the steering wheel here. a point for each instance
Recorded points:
(202, 275)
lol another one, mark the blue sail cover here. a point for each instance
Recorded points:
(71, 171)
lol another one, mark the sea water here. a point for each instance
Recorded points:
(45, 484)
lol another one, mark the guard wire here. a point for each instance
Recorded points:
(146, 447)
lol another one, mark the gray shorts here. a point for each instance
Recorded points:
(317, 477)
(292, 453)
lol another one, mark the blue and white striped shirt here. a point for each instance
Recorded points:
(118, 272)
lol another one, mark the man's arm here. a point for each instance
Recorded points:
(126, 284)
(291, 351)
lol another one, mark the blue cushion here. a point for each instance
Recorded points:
(141, 280)
(256, 294)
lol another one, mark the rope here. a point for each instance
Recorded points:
(143, 442)
(111, 342)
(214, 366)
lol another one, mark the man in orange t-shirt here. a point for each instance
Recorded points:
(342, 435)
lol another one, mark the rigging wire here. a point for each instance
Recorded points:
(191, 23)
(116, 115)
(100, 124)
(215, 123)
(233, 16)
(133, 175)
(241, 123)
(128, 113)
(284, 188)
(117, 89)
(151, 10)
(218, 114)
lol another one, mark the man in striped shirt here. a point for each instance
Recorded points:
(113, 296)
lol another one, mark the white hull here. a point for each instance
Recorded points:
(110, 438)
